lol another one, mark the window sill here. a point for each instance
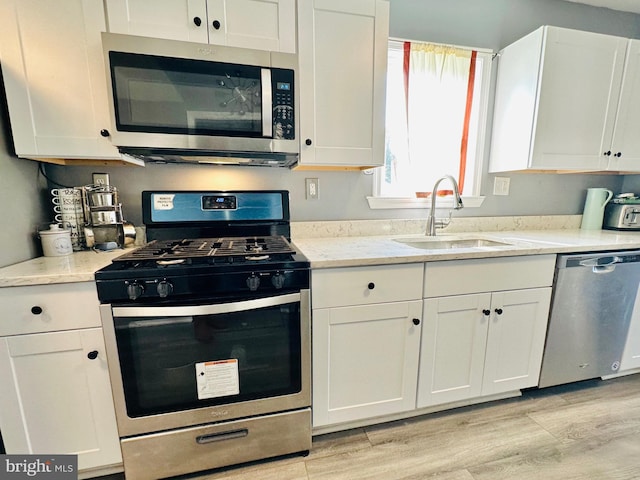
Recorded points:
(380, 203)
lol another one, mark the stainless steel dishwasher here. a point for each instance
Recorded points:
(592, 305)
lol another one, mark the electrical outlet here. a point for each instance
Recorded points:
(101, 179)
(311, 188)
(501, 185)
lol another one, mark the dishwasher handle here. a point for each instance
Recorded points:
(601, 261)
(603, 268)
(601, 265)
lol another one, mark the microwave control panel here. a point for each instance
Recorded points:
(283, 104)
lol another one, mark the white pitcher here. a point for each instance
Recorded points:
(593, 212)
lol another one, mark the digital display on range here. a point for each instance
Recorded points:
(219, 202)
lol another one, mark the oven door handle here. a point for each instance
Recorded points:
(213, 309)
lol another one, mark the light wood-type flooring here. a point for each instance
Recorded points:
(588, 431)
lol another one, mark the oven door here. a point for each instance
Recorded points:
(175, 366)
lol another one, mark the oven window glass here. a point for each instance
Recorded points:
(171, 95)
(238, 356)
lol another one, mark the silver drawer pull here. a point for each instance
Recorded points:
(219, 437)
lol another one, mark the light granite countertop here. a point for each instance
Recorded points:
(366, 242)
(359, 243)
(77, 267)
(331, 252)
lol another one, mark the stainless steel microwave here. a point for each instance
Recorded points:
(174, 101)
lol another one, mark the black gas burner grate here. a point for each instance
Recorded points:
(210, 249)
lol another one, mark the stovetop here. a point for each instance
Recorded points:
(210, 251)
(236, 245)
(169, 271)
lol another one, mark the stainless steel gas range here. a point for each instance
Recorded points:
(207, 330)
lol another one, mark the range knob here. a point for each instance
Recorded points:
(164, 289)
(253, 282)
(134, 290)
(278, 280)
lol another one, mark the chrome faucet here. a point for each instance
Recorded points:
(432, 223)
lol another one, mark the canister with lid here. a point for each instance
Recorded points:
(56, 241)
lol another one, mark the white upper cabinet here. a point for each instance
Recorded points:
(172, 19)
(343, 61)
(258, 24)
(565, 100)
(54, 76)
(625, 146)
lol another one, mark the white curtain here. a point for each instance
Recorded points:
(438, 83)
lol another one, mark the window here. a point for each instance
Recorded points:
(436, 125)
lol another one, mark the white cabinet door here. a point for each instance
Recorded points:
(481, 344)
(343, 55)
(454, 337)
(55, 399)
(365, 361)
(517, 330)
(578, 97)
(172, 19)
(258, 24)
(51, 58)
(625, 146)
(556, 101)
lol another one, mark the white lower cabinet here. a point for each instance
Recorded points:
(515, 343)
(481, 344)
(388, 340)
(366, 361)
(365, 347)
(478, 338)
(454, 340)
(56, 395)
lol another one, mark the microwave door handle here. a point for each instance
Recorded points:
(212, 309)
(267, 103)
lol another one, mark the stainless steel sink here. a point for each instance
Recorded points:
(438, 244)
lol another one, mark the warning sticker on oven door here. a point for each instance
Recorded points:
(217, 379)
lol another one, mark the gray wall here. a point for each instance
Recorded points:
(494, 24)
(477, 23)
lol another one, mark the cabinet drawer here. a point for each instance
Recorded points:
(336, 287)
(48, 308)
(457, 277)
